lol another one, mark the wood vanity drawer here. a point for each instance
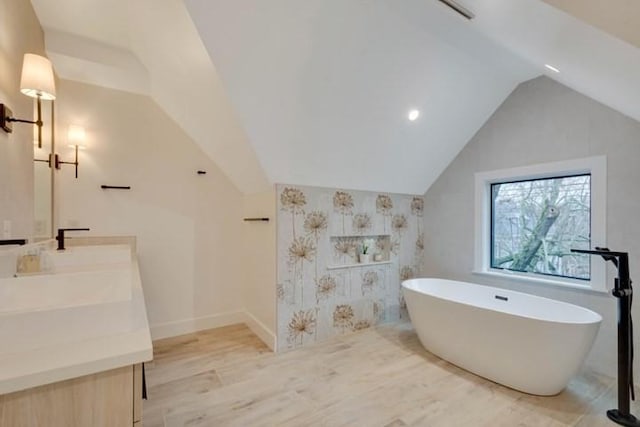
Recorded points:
(106, 399)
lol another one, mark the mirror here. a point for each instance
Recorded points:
(43, 176)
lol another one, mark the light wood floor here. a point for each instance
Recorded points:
(377, 377)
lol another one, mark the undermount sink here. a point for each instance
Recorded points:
(78, 276)
(81, 258)
(53, 291)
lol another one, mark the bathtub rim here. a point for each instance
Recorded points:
(598, 317)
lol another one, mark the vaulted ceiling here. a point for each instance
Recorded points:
(317, 92)
(152, 47)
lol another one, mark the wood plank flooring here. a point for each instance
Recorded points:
(377, 377)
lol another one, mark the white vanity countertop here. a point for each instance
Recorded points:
(43, 347)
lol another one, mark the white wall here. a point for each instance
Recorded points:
(20, 33)
(259, 265)
(541, 121)
(189, 226)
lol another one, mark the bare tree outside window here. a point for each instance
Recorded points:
(535, 223)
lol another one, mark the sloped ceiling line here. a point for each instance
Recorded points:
(168, 62)
(317, 92)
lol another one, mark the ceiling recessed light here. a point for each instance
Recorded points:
(552, 68)
(414, 114)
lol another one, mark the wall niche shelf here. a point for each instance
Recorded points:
(359, 236)
(346, 248)
(359, 264)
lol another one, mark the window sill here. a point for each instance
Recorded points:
(541, 281)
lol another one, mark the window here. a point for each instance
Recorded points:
(536, 222)
(529, 219)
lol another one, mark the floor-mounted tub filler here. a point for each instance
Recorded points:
(623, 291)
(522, 341)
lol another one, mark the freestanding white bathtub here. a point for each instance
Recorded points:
(525, 342)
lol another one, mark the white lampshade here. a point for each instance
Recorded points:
(37, 77)
(76, 135)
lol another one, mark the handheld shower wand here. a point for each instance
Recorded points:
(624, 292)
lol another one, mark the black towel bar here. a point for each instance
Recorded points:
(115, 187)
(13, 242)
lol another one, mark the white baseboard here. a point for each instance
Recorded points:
(261, 330)
(187, 326)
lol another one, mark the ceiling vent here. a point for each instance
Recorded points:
(461, 10)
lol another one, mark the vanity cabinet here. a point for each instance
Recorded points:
(106, 399)
(80, 363)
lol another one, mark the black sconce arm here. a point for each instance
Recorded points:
(6, 119)
(33, 122)
(59, 162)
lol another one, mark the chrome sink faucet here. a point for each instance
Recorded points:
(60, 237)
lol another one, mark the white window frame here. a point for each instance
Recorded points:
(596, 166)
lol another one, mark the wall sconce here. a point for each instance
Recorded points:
(37, 82)
(75, 138)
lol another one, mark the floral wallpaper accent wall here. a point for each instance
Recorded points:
(322, 289)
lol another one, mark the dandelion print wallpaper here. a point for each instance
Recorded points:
(322, 289)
